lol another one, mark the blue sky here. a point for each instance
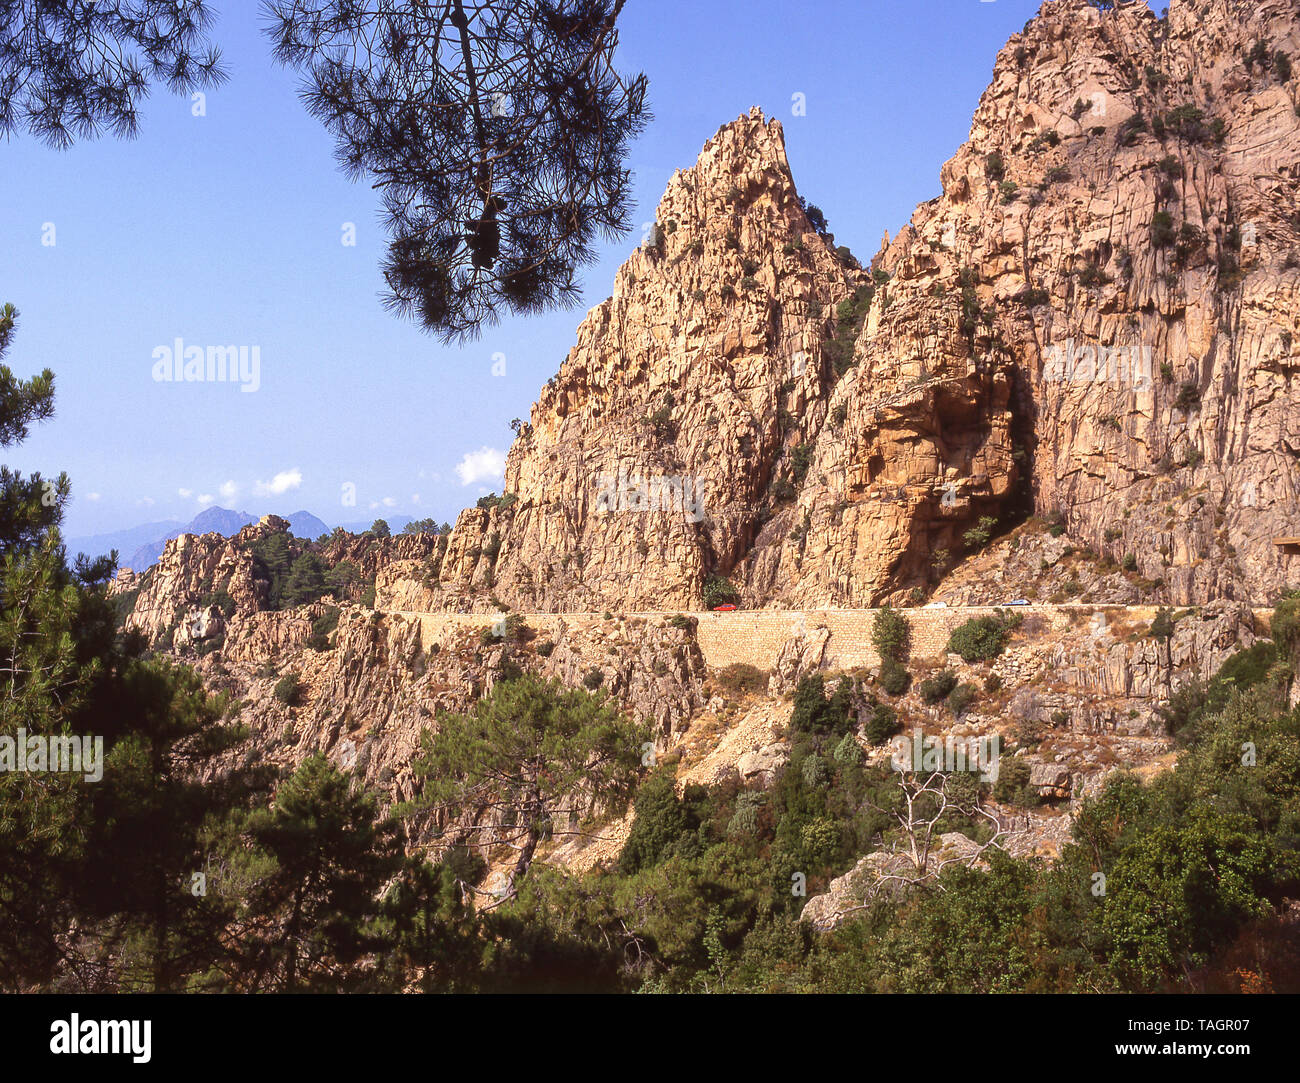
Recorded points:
(226, 229)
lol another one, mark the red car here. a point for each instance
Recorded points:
(723, 608)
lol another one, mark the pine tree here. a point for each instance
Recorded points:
(497, 133)
(529, 753)
(311, 920)
(306, 581)
(105, 855)
(41, 683)
(73, 69)
(271, 564)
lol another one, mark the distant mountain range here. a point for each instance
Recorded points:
(145, 543)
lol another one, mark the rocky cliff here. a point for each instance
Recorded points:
(1070, 378)
(1096, 320)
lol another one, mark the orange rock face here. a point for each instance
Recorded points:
(1096, 319)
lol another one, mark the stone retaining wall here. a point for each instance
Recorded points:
(755, 637)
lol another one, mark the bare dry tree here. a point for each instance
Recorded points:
(495, 130)
(925, 799)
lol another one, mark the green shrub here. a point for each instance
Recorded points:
(661, 421)
(593, 680)
(1162, 229)
(935, 688)
(820, 841)
(800, 461)
(848, 751)
(1170, 167)
(741, 679)
(661, 820)
(744, 821)
(1013, 786)
(882, 724)
(1285, 625)
(978, 536)
(1189, 397)
(890, 633)
(321, 628)
(960, 699)
(981, 639)
(994, 167)
(288, 689)
(814, 713)
(814, 772)
(1249, 667)
(1163, 625)
(719, 591)
(545, 648)
(219, 598)
(894, 677)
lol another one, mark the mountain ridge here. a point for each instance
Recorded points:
(1095, 322)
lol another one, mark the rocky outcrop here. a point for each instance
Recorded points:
(883, 872)
(803, 653)
(1126, 212)
(1092, 333)
(198, 574)
(1097, 319)
(646, 462)
(650, 666)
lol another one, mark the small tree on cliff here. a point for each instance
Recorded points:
(306, 581)
(522, 758)
(890, 634)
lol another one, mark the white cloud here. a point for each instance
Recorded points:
(229, 490)
(280, 484)
(206, 498)
(415, 498)
(389, 502)
(486, 464)
(145, 502)
(92, 496)
(185, 493)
